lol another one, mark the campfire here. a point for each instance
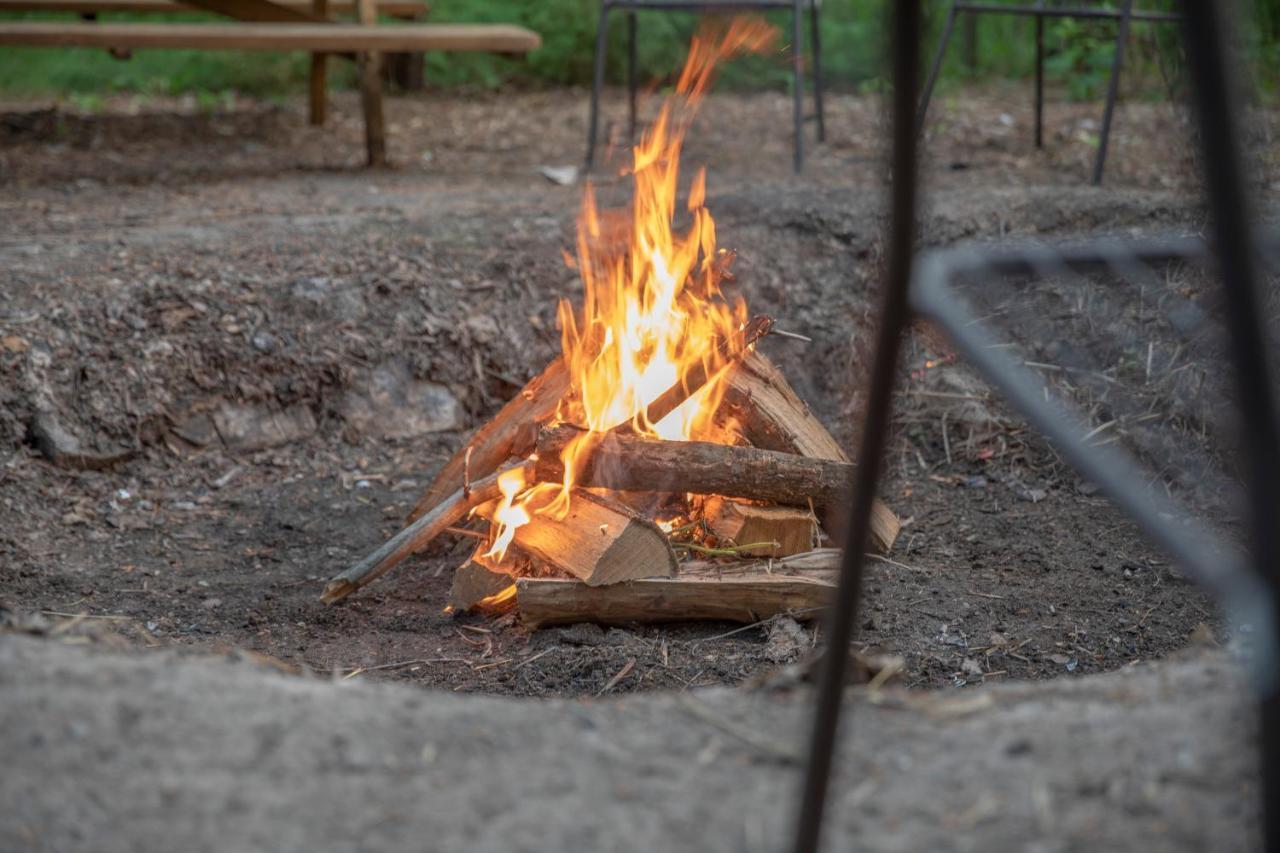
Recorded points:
(661, 468)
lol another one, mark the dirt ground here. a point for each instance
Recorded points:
(282, 348)
(127, 752)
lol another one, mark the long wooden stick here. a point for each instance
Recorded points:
(413, 538)
(631, 463)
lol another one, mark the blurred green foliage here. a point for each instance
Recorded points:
(1078, 54)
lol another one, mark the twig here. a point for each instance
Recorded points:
(728, 551)
(413, 538)
(528, 661)
(108, 617)
(896, 563)
(946, 442)
(621, 674)
(398, 664)
(470, 534)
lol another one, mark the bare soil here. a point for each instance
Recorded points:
(127, 752)
(215, 294)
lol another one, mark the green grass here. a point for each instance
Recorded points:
(853, 39)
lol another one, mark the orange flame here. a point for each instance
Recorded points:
(652, 309)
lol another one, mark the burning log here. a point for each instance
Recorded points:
(556, 601)
(511, 433)
(673, 397)
(599, 541)
(412, 539)
(630, 462)
(473, 582)
(767, 412)
(761, 531)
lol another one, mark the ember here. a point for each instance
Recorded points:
(659, 432)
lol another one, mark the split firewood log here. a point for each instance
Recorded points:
(766, 411)
(600, 542)
(473, 582)
(557, 601)
(760, 530)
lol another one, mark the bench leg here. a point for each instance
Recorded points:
(371, 91)
(318, 86)
(319, 68)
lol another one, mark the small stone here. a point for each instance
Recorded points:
(786, 640)
(389, 403)
(257, 426)
(263, 341)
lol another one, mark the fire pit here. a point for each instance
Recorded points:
(661, 468)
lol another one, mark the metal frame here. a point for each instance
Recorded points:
(1123, 16)
(1247, 587)
(797, 7)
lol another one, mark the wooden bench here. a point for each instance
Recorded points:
(402, 9)
(319, 37)
(405, 69)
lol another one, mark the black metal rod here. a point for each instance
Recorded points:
(894, 315)
(1065, 12)
(815, 28)
(597, 82)
(935, 67)
(633, 74)
(1113, 91)
(1039, 82)
(1206, 37)
(797, 100)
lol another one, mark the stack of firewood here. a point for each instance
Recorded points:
(751, 544)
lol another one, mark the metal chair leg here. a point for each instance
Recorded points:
(1113, 90)
(815, 30)
(1039, 81)
(935, 67)
(797, 61)
(597, 81)
(632, 74)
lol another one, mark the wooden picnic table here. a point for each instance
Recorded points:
(273, 25)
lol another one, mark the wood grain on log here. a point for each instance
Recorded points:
(474, 582)
(619, 461)
(600, 541)
(779, 531)
(553, 601)
(630, 462)
(769, 414)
